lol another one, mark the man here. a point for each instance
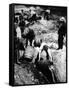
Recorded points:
(62, 32)
(47, 14)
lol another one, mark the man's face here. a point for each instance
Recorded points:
(60, 22)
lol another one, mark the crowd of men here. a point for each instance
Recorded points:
(30, 48)
(25, 36)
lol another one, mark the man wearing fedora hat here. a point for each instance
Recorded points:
(62, 32)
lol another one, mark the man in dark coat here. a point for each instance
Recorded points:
(62, 32)
(47, 14)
